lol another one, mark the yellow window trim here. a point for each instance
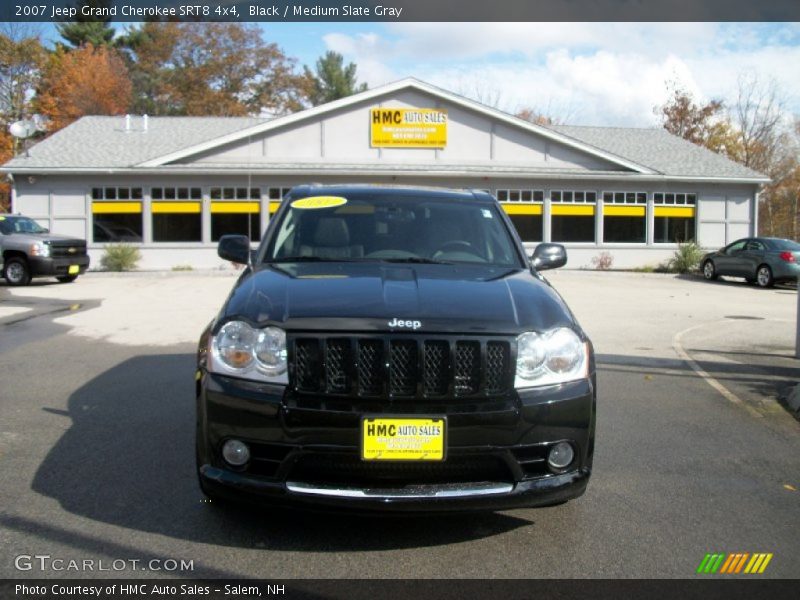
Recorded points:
(107, 208)
(176, 207)
(522, 209)
(274, 205)
(572, 210)
(674, 211)
(624, 211)
(235, 207)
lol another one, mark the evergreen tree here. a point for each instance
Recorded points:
(88, 30)
(332, 80)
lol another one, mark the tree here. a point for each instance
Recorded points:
(22, 57)
(768, 144)
(702, 124)
(535, 117)
(220, 69)
(148, 51)
(332, 80)
(88, 29)
(754, 132)
(85, 81)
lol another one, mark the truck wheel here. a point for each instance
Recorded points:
(16, 271)
(67, 278)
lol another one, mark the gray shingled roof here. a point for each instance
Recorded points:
(659, 150)
(102, 142)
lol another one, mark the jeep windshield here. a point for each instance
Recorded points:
(16, 224)
(394, 228)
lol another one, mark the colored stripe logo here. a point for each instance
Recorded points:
(734, 563)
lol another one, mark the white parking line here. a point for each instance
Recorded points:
(709, 379)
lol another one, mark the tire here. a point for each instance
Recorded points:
(764, 276)
(16, 271)
(67, 278)
(709, 270)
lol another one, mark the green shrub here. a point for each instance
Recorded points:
(645, 269)
(183, 268)
(686, 258)
(120, 257)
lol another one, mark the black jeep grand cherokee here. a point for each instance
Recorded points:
(394, 349)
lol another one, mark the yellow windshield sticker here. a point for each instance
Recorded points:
(319, 202)
(2, 218)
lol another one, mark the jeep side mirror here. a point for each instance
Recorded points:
(548, 256)
(235, 248)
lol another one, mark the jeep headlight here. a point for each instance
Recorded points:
(40, 249)
(244, 351)
(555, 356)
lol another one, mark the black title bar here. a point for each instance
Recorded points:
(403, 10)
(391, 589)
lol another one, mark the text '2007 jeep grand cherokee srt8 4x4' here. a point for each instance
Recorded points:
(394, 349)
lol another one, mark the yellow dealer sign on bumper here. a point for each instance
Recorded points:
(402, 439)
(408, 128)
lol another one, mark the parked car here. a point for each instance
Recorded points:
(760, 260)
(110, 233)
(394, 349)
(30, 250)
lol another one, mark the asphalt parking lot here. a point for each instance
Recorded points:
(695, 451)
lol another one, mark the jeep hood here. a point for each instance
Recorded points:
(369, 296)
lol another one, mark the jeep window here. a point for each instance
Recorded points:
(9, 225)
(395, 229)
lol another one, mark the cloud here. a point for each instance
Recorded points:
(591, 73)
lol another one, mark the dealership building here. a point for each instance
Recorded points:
(174, 185)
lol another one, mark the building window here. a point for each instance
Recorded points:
(276, 194)
(674, 199)
(674, 219)
(625, 198)
(625, 217)
(524, 207)
(116, 215)
(235, 211)
(177, 214)
(573, 215)
(520, 196)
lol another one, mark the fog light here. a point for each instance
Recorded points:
(560, 456)
(235, 453)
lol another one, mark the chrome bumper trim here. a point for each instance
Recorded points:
(420, 491)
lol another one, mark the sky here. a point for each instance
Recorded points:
(610, 74)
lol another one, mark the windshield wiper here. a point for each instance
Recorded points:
(417, 260)
(285, 259)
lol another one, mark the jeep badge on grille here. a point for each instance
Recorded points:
(400, 323)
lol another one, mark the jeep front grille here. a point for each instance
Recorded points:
(400, 366)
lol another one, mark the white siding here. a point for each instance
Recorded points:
(35, 204)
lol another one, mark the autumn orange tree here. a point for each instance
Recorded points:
(21, 59)
(84, 81)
